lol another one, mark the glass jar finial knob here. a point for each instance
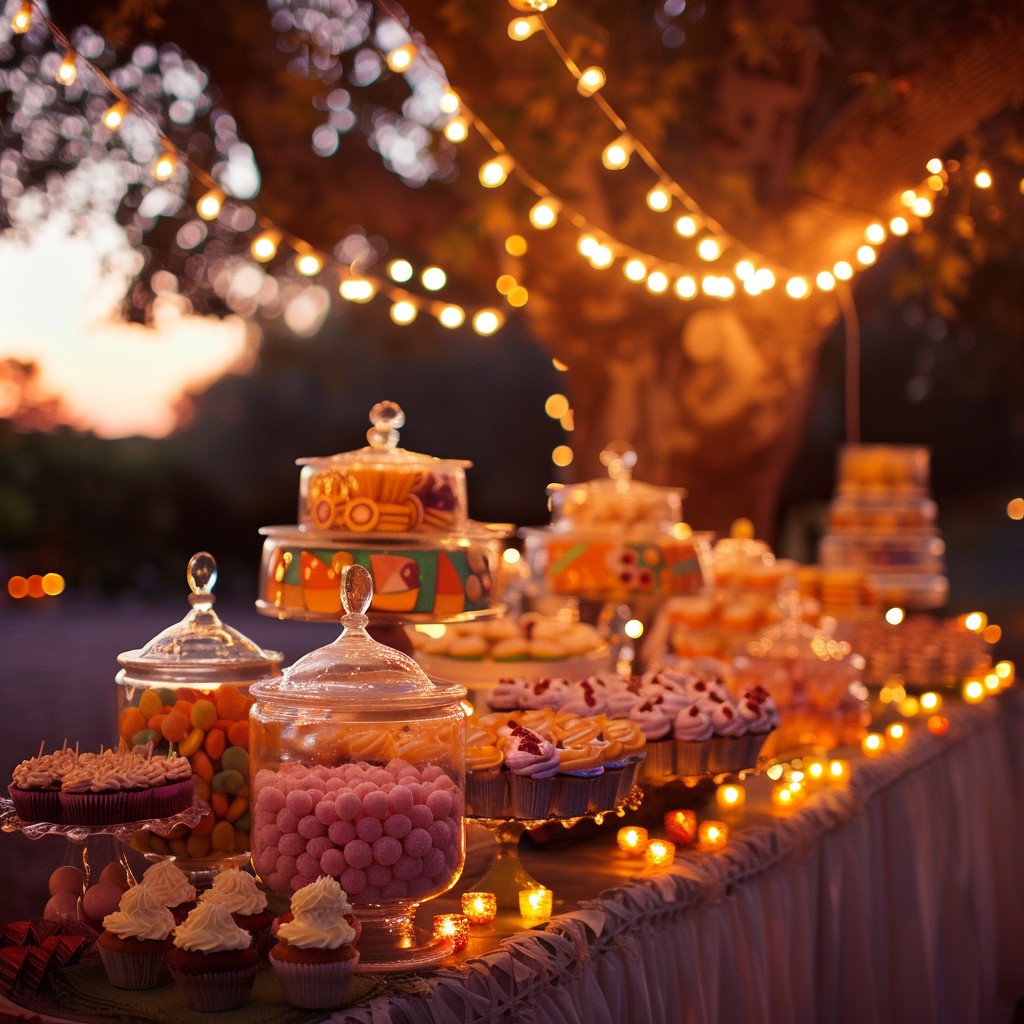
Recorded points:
(202, 578)
(387, 418)
(620, 458)
(356, 594)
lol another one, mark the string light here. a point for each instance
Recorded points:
(400, 58)
(210, 204)
(487, 321)
(709, 249)
(165, 165)
(544, 213)
(68, 72)
(983, 179)
(357, 289)
(686, 226)
(617, 153)
(22, 20)
(659, 198)
(451, 316)
(307, 262)
(114, 115)
(403, 312)
(433, 278)
(522, 28)
(635, 270)
(456, 130)
(264, 245)
(495, 172)
(591, 79)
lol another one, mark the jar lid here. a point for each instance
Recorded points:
(355, 672)
(200, 648)
(383, 452)
(617, 504)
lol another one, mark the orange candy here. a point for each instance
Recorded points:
(232, 704)
(215, 743)
(238, 807)
(185, 707)
(202, 765)
(205, 826)
(238, 734)
(132, 721)
(156, 722)
(176, 727)
(220, 803)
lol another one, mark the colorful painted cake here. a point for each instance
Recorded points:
(400, 515)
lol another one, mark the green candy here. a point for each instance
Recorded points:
(145, 736)
(167, 696)
(227, 782)
(243, 823)
(235, 759)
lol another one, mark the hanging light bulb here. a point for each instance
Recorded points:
(68, 72)
(400, 270)
(403, 312)
(264, 245)
(686, 226)
(934, 166)
(616, 154)
(843, 270)
(357, 289)
(165, 165)
(866, 255)
(522, 28)
(22, 20)
(433, 278)
(798, 288)
(400, 58)
(899, 225)
(487, 321)
(587, 245)
(602, 257)
(308, 262)
(635, 270)
(449, 103)
(659, 199)
(451, 316)
(983, 179)
(544, 213)
(210, 204)
(686, 287)
(495, 172)
(591, 79)
(709, 249)
(875, 234)
(456, 130)
(825, 281)
(657, 282)
(114, 115)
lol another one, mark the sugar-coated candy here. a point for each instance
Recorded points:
(408, 868)
(68, 879)
(310, 827)
(433, 862)
(359, 853)
(417, 842)
(299, 802)
(376, 805)
(353, 881)
(377, 875)
(369, 829)
(101, 899)
(398, 826)
(348, 806)
(386, 851)
(326, 811)
(319, 846)
(400, 800)
(420, 816)
(333, 862)
(342, 832)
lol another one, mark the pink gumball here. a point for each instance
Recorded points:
(114, 873)
(64, 906)
(101, 899)
(67, 879)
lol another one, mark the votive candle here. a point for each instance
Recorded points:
(873, 745)
(838, 772)
(713, 835)
(681, 826)
(896, 735)
(480, 907)
(659, 853)
(535, 904)
(730, 796)
(631, 839)
(938, 724)
(454, 927)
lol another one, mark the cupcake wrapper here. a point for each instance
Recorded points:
(36, 804)
(135, 971)
(531, 798)
(605, 790)
(132, 805)
(629, 777)
(217, 990)
(660, 759)
(487, 794)
(570, 795)
(729, 754)
(315, 986)
(262, 940)
(692, 757)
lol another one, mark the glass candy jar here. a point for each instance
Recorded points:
(359, 773)
(187, 691)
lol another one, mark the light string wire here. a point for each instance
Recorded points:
(354, 285)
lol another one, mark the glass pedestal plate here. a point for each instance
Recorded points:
(508, 877)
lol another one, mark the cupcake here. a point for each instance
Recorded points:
(35, 785)
(579, 768)
(486, 785)
(693, 731)
(314, 957)
(634, 753)
(532, 763)
(237, 891)
(171, 888)
(657, 728)
(135, 939)
(213, 961)
(729, 743)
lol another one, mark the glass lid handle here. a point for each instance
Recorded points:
(356, 594)
(202, 578)
(387, 418)
(620, 458)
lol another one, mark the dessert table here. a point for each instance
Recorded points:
(899, 897)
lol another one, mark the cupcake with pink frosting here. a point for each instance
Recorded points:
(693, 732)
(656, 725)
(729, 745)
(532, 762)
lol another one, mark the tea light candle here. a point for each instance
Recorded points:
(535, 904)
(873, 745)
(938, 725)
(817, 771)
(896, 735)
(631, 839)
(931, 701)
(974, 691)
(659, 853)
(454, 927)
(838, 772)
(681, 826)
(730, 797)
(480, 907)
(713, 835)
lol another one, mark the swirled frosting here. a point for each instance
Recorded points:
(318, 917)
(140, 915)
(652, 719)
(508, 694)
(485, 757)
(526, 753)
(726, 722)
(585, 697)
(237, 891)
(211, 929)
(168, 884)
(693, 725)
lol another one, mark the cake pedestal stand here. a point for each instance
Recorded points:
(100, 844)
(508, 876)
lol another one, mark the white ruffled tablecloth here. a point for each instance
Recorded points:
(898, 899)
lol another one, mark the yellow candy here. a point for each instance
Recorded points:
(191, 743)
(204, 713)
(198, 846)
(150, 704)
(179, 847)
